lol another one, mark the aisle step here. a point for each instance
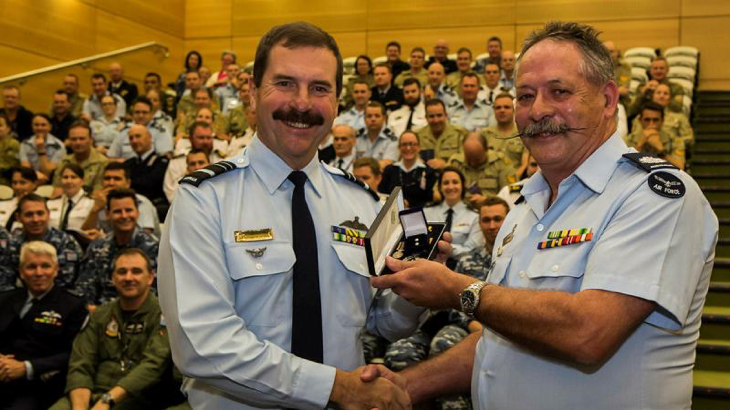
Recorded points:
(709, 383)
(713, 355)
(706, 178)
(721, 270)
(715, 323)
(719, 295)
(721, 208)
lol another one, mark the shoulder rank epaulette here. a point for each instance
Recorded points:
(647, 162)
(212, 170)
(361, 131)
(520, 200)
(348, 176)
(389, 133)
(515, 188)
(180, 155)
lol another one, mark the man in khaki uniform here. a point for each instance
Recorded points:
(418, 57)
(502, 138)
(621, 73)
(463, 63)
(486, 171)
(236, 119)
(652, 139)
(439, 139)
(84, 155)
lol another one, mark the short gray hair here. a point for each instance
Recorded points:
(597, 64)
(38, 248)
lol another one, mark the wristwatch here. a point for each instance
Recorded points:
(469, 297)
(107, 398)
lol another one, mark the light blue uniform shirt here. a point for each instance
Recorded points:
(480, 116)
(385, 146)
(644, 245)
(229, 312)
(352, 117)
(446, 95)
(121, 148)
(465, 231)
(55, 150)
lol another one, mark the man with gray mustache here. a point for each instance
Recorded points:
(599, 273)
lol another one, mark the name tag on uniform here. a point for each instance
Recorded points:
(566, 237)
(254, 235)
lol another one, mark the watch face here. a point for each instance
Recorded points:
(467, 299)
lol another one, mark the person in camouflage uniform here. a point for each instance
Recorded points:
(95, 279)
(34, 217)
(444, 329)
(122, 358)
(440, 139)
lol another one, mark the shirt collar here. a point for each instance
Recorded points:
(594, 172)
(273, 171)
(417, 164)
(78, 196)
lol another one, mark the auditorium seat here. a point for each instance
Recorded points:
(641, 51)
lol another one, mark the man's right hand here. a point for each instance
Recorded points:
(351, 391)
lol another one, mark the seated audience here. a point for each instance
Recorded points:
(440, 139)
(152, 81)
(117, 176)
(469, 111)
(23, 181)
(92, 109)
(418, 57)
(242, 97)
(486, 171)
(122, 356)
(38, 323)
(19, 118)
(236, 118)
(363, 72)
(42, 151)
(651, 138)
(61, 118)
(437, 87)
(6, 271)
(70, 210)
(675, 124)
(494, 48)
(193, 81)
(239, 142)
(507, 66)
(377, 140)
(355, 115)
(463, 65)
(85, 156)
(147, 168)
(193, 61)
(121, 148)
(384, 91)
(195, 160)
(229, 90)
(412, 114)
(416, 178)
(392, 54)
(34, 216)
(220, 77)
(203, 98)
(492, 86)
(201, 138)
(367, 170)
(216, 121)
(657, 74)
(440, 55)
(121, 87)
(502, 137)
(621, 73)
(107, 127)
(160, 119)
(95, 271)
(9, 151)
(343, 142)
(461, 221)
(76, 98)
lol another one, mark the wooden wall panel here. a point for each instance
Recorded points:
(707, 8)
(208, 18)
(713, 53)
(17, 61)
(411, 14)
(351, 44)
(255, 17)
(245, 47)
(163, 15)
(59, 30)
(539, 11)
(109, 37)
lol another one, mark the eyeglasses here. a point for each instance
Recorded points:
(409, 144)
(651, 120)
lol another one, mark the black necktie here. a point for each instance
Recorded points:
(306, 337)
(64, 220)
(449, 219)
(410, 118)
(491, 96)
(340, 164)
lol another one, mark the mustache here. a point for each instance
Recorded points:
(306, 117)
(544, 126)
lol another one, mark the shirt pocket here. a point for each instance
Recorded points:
(260, 274)
(353, 298)
(560, 268)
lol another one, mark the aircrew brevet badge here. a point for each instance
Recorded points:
(256, 253)
(566, 237)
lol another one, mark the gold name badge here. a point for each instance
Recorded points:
(254, 236)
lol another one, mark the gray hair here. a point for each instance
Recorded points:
(38, 248)
(597, 64)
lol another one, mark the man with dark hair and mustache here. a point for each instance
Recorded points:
(263, 277)
(600, 272)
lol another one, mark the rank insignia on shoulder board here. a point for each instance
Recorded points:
(349, 235)
(566, 237)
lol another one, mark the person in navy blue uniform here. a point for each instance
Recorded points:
(38, 324)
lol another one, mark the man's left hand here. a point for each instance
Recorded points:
(424, 283)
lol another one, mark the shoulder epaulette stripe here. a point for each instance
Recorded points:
(648, 163)
(212, 170)
(348, 176)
